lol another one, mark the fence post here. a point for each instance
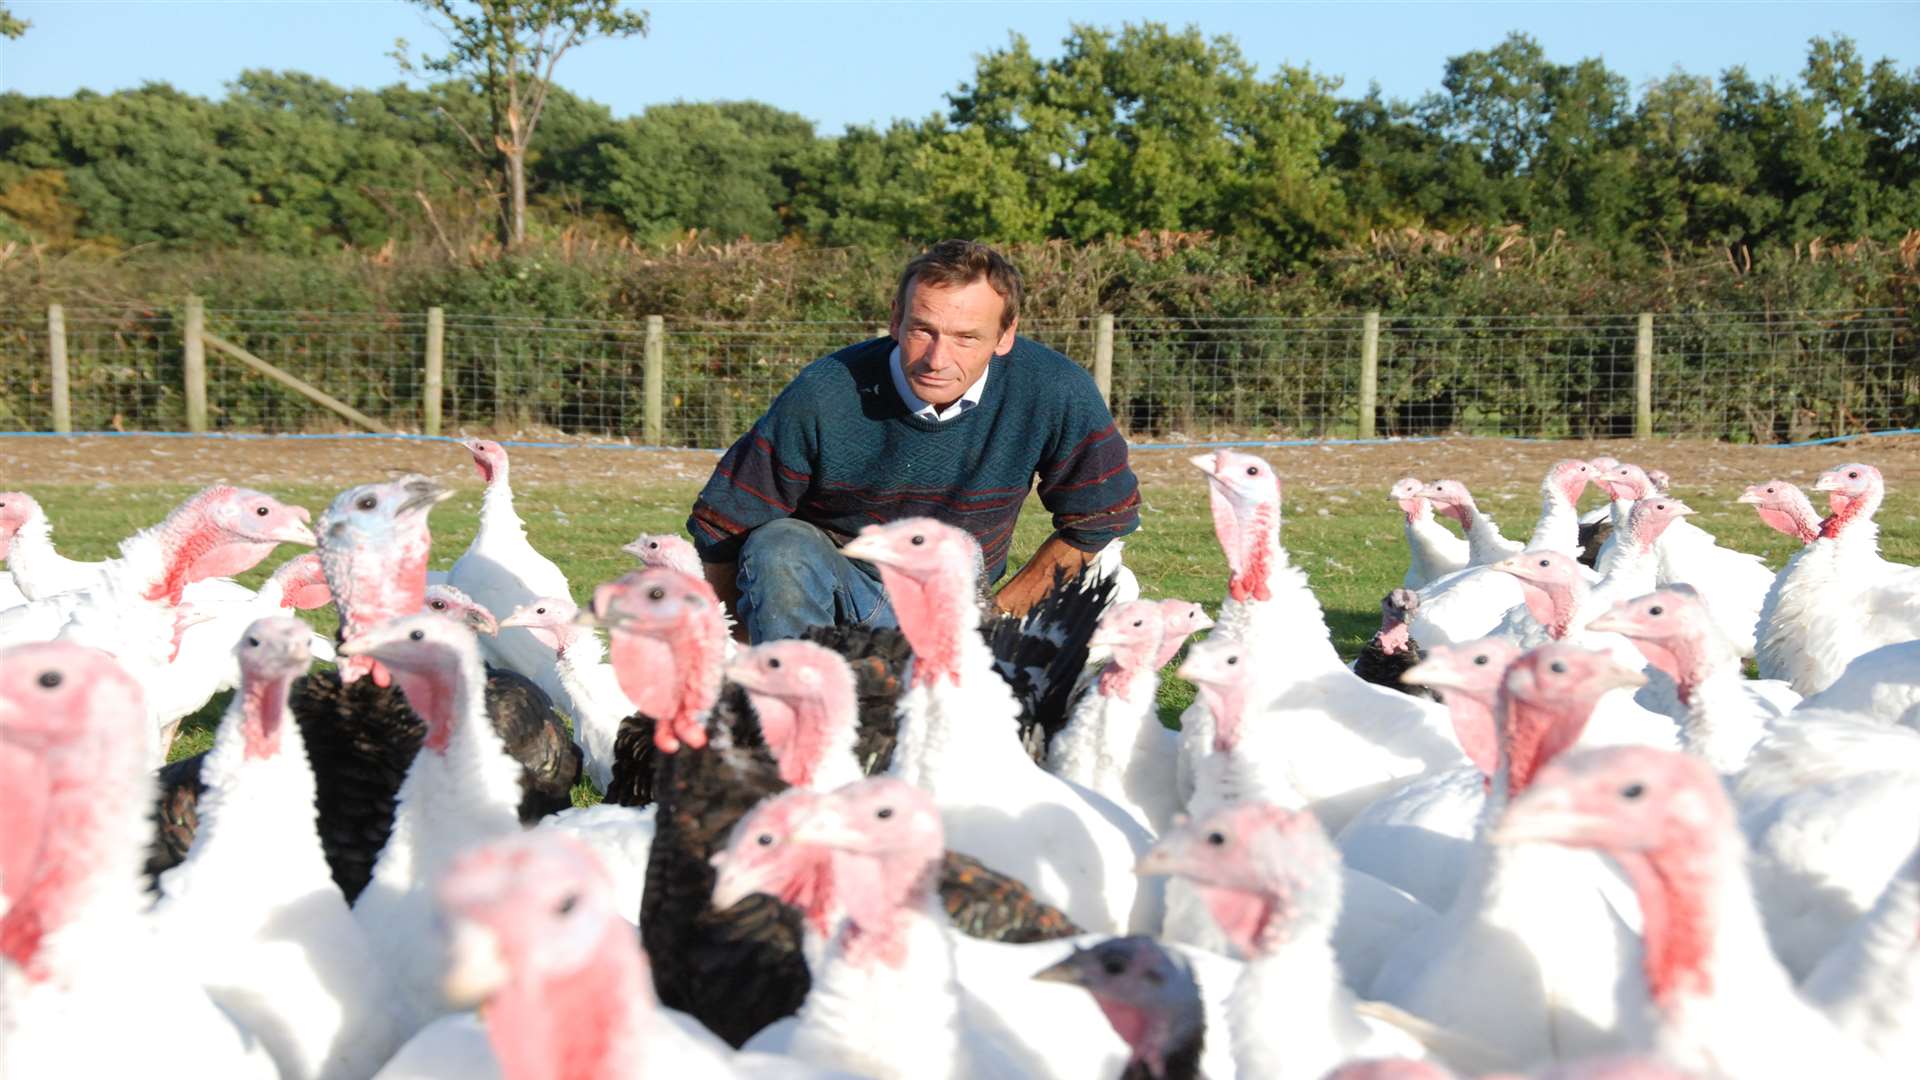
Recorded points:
(1103, 356)
(57, 353)
(1643, 379)
(196, 365)
(652, 378)
(1369, 372)
(433, 384)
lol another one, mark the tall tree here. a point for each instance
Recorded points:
(11, 27)
(507, 50)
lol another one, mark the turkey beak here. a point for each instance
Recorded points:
(1828, 482)
(867, 547)
(477, 970)
(1157, 862)
(422, 493)
(1613, 677)
(1615, 620)
(296, 532)
(1067, 971)
(1206, 463)
(1750, 497)
(1434, 674)
(481, 621)
(1543, 817)
(1202, 621)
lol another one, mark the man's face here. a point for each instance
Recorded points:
(947, 337)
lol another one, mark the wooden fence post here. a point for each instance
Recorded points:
(1643, 378)
(1369, 372)
(432, 386)
(1103, 356)
(652, 377)
(57, 354)
(196, 365)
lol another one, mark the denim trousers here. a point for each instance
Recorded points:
(792, 577)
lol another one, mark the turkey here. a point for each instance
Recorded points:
(36, 570)
(1733, 583)
(1722, 1004)
(273, 941)
(959, 739)
(1597, 525)
(1115, 744)
(1249, 762)
(540, 948)
(362, 736)
(1485, 543)
(740, 969)
(75, 951)
(1725, 713)
(1837, 598)
(1419, 837)
(1536, 932)
(1432, 551)
(501, 571)
(599, 705)
(1784, 508)
(460, 790)
(1150, 996)
(1272, 881)
(1392, 652)
(1344, 740)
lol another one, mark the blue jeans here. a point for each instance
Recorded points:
(792, 577)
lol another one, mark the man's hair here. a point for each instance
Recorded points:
(953, 263)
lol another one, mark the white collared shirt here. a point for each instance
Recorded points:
(925, 411)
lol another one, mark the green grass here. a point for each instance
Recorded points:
(1349, 546)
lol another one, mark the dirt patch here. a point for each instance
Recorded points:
(1508, 468)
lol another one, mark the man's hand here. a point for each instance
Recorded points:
(725, 579)
(1035, 579)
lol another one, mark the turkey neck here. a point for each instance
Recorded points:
(32, 557)
(1269, 601)
(1485, 543)
(1424, 537)
(886, 1002)
(1559, 526)
(1723, 721)
(496, 506)
(588, 1024)
(1290, 1014)
(161, 558)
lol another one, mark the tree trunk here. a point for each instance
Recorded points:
(517, 184)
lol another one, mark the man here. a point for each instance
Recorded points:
(951, 416)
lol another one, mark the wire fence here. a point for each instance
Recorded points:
(1738, 376)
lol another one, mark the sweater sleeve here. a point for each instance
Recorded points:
(1085, 480)
(762, 477)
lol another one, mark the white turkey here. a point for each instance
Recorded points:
(501, 570)
(1432, 551)
(1837, 598)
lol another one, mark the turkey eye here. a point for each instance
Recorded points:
(1656, 610)
(418, 635)
(437, 605)
(883, 813)
(1769, 491)
(1853, 476)
(653, 545)
(1481, 660)
(765, 839)
(252, 642)
(262, 511)
(50, 679)
(1139, 622)
(1633, 791)
(918, 540)
(656, 593)
(1113, 965)
(1217, 839)
(1558, 667)
(1232, 660)
(367, 502)
(1253, 470)
(773, 662)
(567, 904)
(539, 611)
(1543, 562)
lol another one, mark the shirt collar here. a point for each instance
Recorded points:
(925, 411)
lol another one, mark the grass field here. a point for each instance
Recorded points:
(1339, 528)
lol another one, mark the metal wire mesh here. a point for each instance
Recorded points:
(1741, 376)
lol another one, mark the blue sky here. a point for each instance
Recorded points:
(841, 63)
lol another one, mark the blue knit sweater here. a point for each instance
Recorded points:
(838, 448)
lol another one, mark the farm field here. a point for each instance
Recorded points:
(581, 504)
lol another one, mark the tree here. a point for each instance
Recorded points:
(507, 50)
(11, 27)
